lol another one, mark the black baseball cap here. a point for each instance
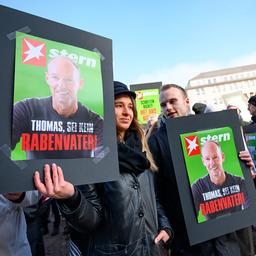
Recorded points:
(120, 88)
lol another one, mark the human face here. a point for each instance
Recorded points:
(64, 81)
(252, 109)
(124, 113)
(213, 159)
(173, 103)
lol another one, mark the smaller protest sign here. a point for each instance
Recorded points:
(147, 101)
(215, 187)
(215, 175)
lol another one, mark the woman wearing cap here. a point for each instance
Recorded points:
(128, 220)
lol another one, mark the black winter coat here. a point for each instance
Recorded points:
(127, 219)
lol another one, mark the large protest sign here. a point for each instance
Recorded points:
(147, 100)
(44, 132)
(192, 161)
(213, 199)
(57, 102)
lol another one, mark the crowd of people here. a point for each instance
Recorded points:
(140, 214)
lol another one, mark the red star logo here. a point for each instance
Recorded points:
(33, 52)
(192, 145)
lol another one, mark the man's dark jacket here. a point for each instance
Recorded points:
(167, 190)
(251, 127)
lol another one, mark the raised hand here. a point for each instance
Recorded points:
(245, 156)
(54, 185)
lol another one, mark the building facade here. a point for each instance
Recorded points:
(219, 88)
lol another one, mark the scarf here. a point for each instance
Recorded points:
(130, 155)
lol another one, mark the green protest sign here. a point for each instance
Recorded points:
(59, 86)
(214, 172)
(147, 103)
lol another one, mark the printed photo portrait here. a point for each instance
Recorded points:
(215, 175)
(58, 101)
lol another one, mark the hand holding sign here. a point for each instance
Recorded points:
(54, 185)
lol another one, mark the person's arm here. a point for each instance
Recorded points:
(15, 197)
(83, 211)
(81, 206)
(24, 199)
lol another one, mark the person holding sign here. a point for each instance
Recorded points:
(126, 219)
(174, 103)
(58, 126)
(218, 193)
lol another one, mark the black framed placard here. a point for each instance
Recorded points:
(216, 189)
(56, 102)
(147, 100)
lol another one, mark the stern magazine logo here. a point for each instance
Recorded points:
(192, 145)
(33, 52)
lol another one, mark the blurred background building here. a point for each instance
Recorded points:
(219, 88)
